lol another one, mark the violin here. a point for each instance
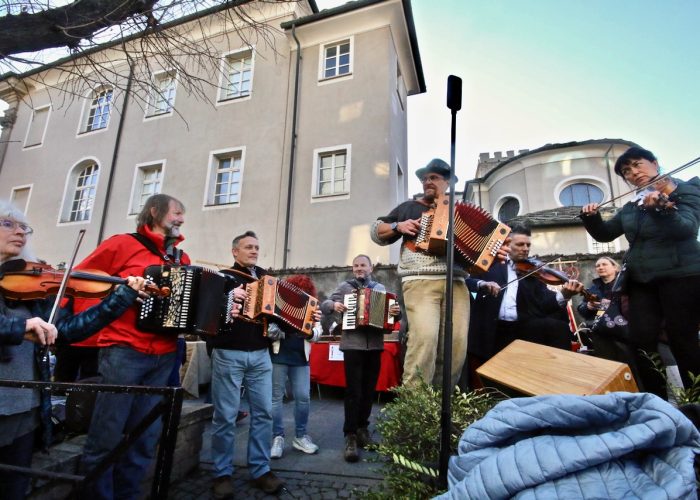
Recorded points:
(22, 280)
(548, 275)
(664, 185)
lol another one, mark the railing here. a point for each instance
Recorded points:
(169, 408)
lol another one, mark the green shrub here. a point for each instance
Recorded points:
(410, 430)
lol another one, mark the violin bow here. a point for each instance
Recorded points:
(44, 353)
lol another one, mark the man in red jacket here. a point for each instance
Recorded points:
(129, 356)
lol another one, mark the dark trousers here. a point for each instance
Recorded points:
(361, 375)
(19, 452)
(673, 306)
(74, 362)
(546, 331)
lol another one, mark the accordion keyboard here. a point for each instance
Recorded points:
(350, 315)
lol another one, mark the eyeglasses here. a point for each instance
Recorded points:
(432, 178)
(11, 225)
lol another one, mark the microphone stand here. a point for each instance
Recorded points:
(454, 102)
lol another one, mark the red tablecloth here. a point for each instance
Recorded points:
(326, 372)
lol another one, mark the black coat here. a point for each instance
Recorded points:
(534, 301)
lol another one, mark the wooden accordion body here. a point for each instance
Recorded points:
(280, 299)
(367, 307)
(200, 301)
(477, 235)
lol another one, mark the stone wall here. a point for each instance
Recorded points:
(64, 457)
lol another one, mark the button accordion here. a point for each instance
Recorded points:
(477, 235)
(282, 300)
(200, 301)
(367, 307)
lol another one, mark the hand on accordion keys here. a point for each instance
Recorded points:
(239, 296)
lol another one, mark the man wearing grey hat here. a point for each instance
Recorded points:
(423, 279)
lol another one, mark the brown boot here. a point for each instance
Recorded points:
(268, 482)
(364, 440)
(222, 487)
(351, 453)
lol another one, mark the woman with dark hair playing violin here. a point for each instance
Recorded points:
(663, 261)
(23, 331)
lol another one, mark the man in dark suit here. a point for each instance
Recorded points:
(525, 309)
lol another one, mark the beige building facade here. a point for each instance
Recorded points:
(546, 187)
(89, 162)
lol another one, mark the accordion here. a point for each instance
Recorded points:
(200, 301)
(279, 299)
(367, 307)
(477, 235)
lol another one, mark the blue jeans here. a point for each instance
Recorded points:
(300, 377)
(230, 369)
(116, 414)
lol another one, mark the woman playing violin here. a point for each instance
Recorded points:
(663, 261)
(23, 327)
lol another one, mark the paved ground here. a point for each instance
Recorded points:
(324, 475)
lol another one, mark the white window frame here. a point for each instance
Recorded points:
(581, 179)
(322, 78)
(137, 184)
(71, 188)
(155, 94)
(31, 124)
(400, 87)
(88, 107)
(30, 187)
(592, 242)
(503, 199)
(210, 187)
(225, 74)
(315, 196)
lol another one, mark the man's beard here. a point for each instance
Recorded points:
(174, 231)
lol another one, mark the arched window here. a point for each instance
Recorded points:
(80, 195)
(96, 116)
(579, 194)
(509, 209)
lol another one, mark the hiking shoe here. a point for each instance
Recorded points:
(364, 440)
(277, 447)
(268, 482)
(305, 444)
(222, 487)
(351, 453)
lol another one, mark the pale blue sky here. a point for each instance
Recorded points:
(546, 71)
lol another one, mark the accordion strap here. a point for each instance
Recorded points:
(151, 247)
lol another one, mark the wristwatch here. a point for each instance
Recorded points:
(395, 227)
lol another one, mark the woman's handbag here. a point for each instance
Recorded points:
(612, 322)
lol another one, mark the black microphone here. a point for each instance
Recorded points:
(454, 93)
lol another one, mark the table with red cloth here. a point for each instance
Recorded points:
(327, 372)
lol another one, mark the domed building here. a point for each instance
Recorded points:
(546, 188)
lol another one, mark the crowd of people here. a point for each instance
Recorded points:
(255, 360)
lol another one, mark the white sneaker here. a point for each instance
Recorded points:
(305, 444)
(277, 447)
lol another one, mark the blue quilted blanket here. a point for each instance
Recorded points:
(618, 445)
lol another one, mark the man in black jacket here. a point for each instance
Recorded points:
(525, 309)
(242, 357)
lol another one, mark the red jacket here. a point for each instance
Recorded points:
(123, 255)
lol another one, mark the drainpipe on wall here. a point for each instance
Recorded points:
(292, 151)
(115, 155)
(610, 179)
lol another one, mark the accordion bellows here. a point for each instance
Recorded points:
(477, 235)
(281, 299)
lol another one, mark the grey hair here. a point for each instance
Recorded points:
(9, 211)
